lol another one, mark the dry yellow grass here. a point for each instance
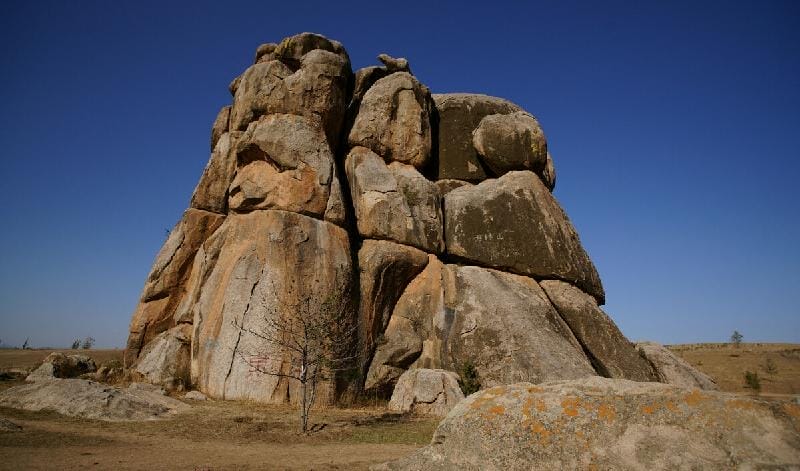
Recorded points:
(727, 364)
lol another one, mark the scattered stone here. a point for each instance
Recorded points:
(91, 400)
(195, 396)
(146, 387)
(426, 392)
(610, 424)
(672, 369)
(59, 365)
(394, 120)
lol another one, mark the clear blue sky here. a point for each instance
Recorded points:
(674, 126)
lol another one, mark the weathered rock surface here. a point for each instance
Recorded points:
(265, 53)
(611, 354)
(91, 400)
(364, 79)
(506, 327)
(220, 125)
(253, 270)
(502, 324)
(394, 201)
(9, 426)
(292, 49)
(672, 369)
(446, 186)
(211, 192)
(195, 396)
(549, 173)
(610, 424)
(284, 162)
(408, 329)
(166, 284)
(313, 85)
(59, 365)
(399, 64)
(166, 360)
(426, 392)
(284, 214)
(385, 268)
(394, 120)
(459, 116)
(509, 142)
(514, 223)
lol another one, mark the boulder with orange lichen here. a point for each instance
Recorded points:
(600, 423)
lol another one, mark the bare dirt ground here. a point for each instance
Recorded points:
(727, 364)
(217, 435)
(213, 435)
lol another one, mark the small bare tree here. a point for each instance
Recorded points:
(305, 339)
(736, 338)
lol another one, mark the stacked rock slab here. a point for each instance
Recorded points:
(429, 218)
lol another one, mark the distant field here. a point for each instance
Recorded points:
(18, 359)
(217, 435)
(728, 364)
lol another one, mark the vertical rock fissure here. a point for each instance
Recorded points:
(234, 351)
(598, 367)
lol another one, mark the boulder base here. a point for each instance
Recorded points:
(610, 424)
(426, 392)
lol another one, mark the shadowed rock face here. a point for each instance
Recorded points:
(610, 424)
(459, 115)
(427, 220)
(514, 223)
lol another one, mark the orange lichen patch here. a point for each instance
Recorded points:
(671, 406)
(606, 412)
(695, 397)
(540, 431)
(496, 391)
(792, 409)
(496, 410)
(570, 406)
(740, 404)
(540, 406)
(649, 409)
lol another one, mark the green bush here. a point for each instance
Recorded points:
(470, 382)
(751, 381)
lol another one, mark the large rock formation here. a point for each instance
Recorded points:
(426, 222)
(598, 423)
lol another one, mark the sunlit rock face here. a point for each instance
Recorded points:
(427, 221)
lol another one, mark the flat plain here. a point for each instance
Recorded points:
(225, 435)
